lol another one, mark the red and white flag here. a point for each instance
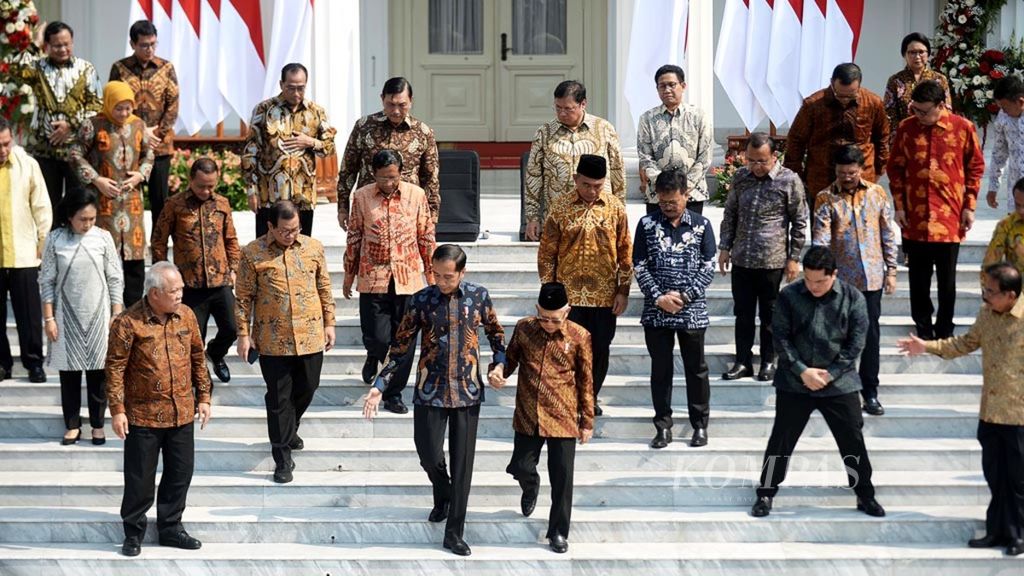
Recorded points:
(729, 63)
(812, 37)
(784, 56)
(759, 40)
(241, 53)
(291, 40)
(159, 13)
(842, 31)
(185, 24)
(211, 101)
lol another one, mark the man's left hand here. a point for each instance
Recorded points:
(496, 378)
(619, 305)
(966, 220)
(792, 270)
(890, 284)
(328, 338)
(204, 414)
(585, 435)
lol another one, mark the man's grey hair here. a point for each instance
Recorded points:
(156, 276)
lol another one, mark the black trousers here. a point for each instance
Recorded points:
(71, 397)
(843, 416)
(379, 317)
(923, 257)
(218, 302)
(561, 464)
(23, 284)
(429, 423)
(1002, 460)
(697, 207)
(600, 322)
(291, 383)
(869, 358)
(263, 215)
(142, 448)
(157, 187)
(59, 177)
(134, 280)
(660, 345)
(754, 290)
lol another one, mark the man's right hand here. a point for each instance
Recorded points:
(343, 220)
(243, 348)
(533, 230)
(254, 203)
(724, 262)
(371, 402)
(107, 187)
(670, 302)
(51, 330)
(814, 379)
(992, 198)
(120, 425)
(901, 219)
(346, 289)
(61, 132)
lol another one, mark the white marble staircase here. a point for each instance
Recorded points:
(359, 500)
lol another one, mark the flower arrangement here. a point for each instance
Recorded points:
(18, 19)
(723, 175)
(231, 185)
(961, 56)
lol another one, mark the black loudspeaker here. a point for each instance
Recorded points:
(459, 220)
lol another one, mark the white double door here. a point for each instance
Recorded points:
(485, 70)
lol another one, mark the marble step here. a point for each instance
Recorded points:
(625, 359)
(793, 559)
(337, 390)
(494, 454)
(618, 422)
(504, 526)
(628, 329)
(401, 489)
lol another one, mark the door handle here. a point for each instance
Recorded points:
(505, 49)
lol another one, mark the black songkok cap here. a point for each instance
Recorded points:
(552, 296)
(592, 166)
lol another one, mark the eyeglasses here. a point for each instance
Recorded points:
(758, 162)
(565, 109)
(986, 291)
(288, 232)
(555, 321)
(667, 86)
(917, 52)
(919, 112)
(294, 88)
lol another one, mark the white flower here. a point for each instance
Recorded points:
(9, 28)
(979, 94)
(3, 38)
(955, 59)
(976, 81)
(989, 94)
(962, 19)
(25, 89)
(963, 46)
(968, 2)
(27, 108)
(953, 72)
(19, 26)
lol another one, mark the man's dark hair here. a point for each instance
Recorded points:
(281, 210)
(54, 28)
(292, 68)
(203, 164)
(670, 181)
(1008, 88)
(847, 74)
(5, 124)
(914, 37)
(385, 158)
(140, 29)
(759, 139)
(73, 201)
(571, 88)
(1006, 275)
(928, 91)
(450, 253)
(396, 85)
(849, 154)
(1018, 186)
(670, 69)
(820, 258)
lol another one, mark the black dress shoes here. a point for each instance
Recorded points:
(297, 444)
(180, 540)
(283, 472)
(662, 438)
(395, 405)
(438, 513)
(559, 543)
(767, 372)
(988, 541)
(738, 371)
(369, 370)
(699, 438)
(871, 507)
(36, 375)
(457, 545)
(874, 407)
(4, 374)
(597, 409)
(762, 507)
(220, 368)
(528, 502)
(132, 546)
(1016, 548)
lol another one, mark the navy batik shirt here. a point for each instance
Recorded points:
(448, 373)
(680, 258)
